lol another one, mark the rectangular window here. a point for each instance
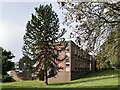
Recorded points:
(67, 67)
(68, 54)
(78, 51)
(67, 49)
(75, 51)
(75, 68)
(67, 58)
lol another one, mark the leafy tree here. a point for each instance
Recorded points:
(108, 56)
(91, 21)
(40, 41)
(6, 64)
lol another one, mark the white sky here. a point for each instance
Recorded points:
(13, 19)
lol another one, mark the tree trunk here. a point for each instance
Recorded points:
(46, 78)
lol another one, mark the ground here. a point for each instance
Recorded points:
(103, 80)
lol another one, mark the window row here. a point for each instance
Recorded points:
(81, 69)
(82, 60)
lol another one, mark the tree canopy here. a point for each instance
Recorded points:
(108, 56)
(91, 21)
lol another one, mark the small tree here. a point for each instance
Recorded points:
(6, 64)
(40, 41)
(25, 63)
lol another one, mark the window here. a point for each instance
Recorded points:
(67, 49)
(78, 51)
(67, 58)
(68, 54)
(75, 51)
(67, 67)
(75, 68)
(75, 55)
(76, 63)
(75, 59)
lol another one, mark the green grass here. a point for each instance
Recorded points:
(98, 80)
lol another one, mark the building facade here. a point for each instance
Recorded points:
(77, 63)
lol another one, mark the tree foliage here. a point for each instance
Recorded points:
(91, 21)
(25, 63)
(108, 56)
(6, 64)
(40, 41)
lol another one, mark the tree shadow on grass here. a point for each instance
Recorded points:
(75, 82)
(85, 88)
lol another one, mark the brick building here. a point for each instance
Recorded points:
(77, 63)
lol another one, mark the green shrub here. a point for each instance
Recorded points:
(6, 78)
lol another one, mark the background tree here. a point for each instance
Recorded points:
(25, 63)
(91, 21)
(6, 64)
(108, 56)
(40, 41)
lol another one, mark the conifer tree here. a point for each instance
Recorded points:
(6, 64)
(40, 41)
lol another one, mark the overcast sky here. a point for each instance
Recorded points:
(13, 19)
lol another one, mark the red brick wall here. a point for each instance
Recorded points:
(62, 62)
(26, 75)
(61, 76)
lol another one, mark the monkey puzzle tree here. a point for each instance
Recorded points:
(40, 41)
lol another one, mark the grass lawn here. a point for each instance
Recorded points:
(107, 80)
